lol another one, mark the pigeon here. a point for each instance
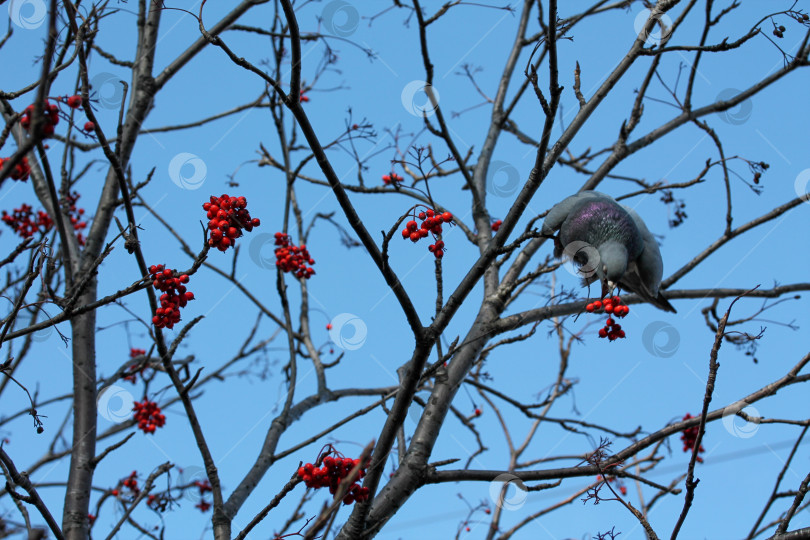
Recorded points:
(610, 242)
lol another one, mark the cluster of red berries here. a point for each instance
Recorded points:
(148, 415)
(134, 370)
(689, 438)
(21, 170)
(304, 98)
(153, 501)
(330, 475)
(173, 298)
(612, 306)
(392, 178)
(292, 258)
(75, 215)
(25, 223)
(228, 216)
(496, 225)
(431, 223)
(437, 249)
(131, 483)
(51, 114)
(203, 485)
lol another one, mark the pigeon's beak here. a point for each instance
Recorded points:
(611, 286)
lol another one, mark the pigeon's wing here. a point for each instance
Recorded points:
(560, 211)
(644, 276)
(649, 263)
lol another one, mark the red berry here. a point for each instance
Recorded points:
(74, 102)
(89, 126)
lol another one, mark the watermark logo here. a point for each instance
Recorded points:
(738, 426)
(187, 171)
(109, 90)
(660, 30)
(262, 250)
(416, 101)
(27, 14)
(661, 339)
(348, 331)
(415, 410)
(801, 185)
(340, 18)
(190, 478)
(502, 179)
(580, 259)
(115, 404)
(736, 115)
(25, 319)
(515, 493)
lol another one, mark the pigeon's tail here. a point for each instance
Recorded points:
(662, 303)
(631, 282)
(658, 301)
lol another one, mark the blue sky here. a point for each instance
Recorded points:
(622, 384)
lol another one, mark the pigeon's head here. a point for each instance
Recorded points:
(612, 263)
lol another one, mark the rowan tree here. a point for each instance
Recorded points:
(276, 269)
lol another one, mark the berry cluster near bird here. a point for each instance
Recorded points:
(612, 306)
